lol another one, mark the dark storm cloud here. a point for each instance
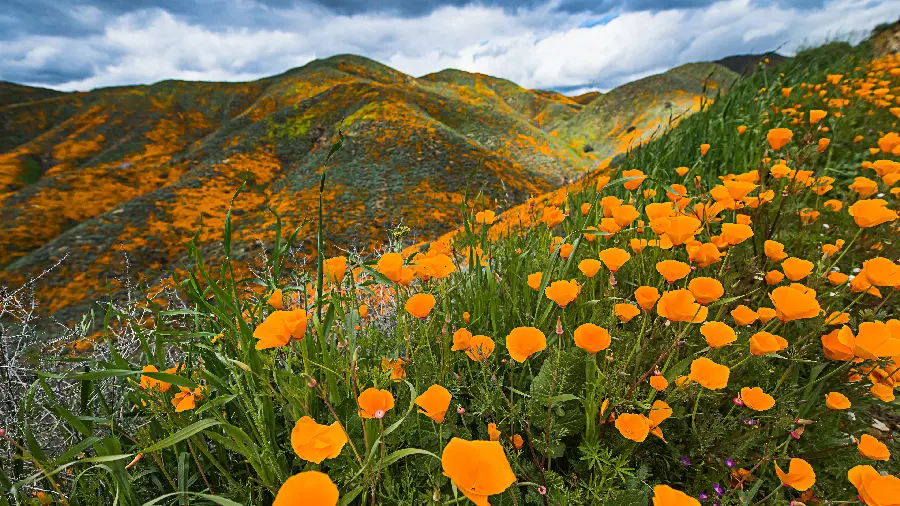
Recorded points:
(82, 17)
(568, 45)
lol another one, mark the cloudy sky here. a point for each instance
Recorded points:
(567, 45)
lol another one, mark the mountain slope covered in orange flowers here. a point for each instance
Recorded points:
(115, 180)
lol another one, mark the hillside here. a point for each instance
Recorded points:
(115, 180)
(638, 111)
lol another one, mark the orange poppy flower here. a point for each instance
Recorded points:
(487, 217)
(736, 233)
(775, 251)
(766, 314)
(755, 399)
(864, 186)
(659, 412)
(861, 284)
(614, 258)
(664, 495)
(681, 171)
(680, 306)
(704, 254)
(871, 212)
(778, 137)
(534, 280)
(625, 312)
(800, 476)
(831, 249)
(709, 374)
(363, 311)
(823, 145)
(480, 348)
(517, 441)
(836, 400)
(438, 266)
(793, 304)
(608, 227)
(309, 488)
(374, 403)
(552, 216)
(420, 305)
(632, 184)
(335, 269)
(833, 205)
(706, 290)
(589, 267)
(704, 148)
(659, 382)
(186, 399)
(590, 233)
(279, 328)
(881, 272)
(434, 402)
(592, 338)
(774, 277)
(796, 268)
(391, 265)
(478, 468)
(882, 392)
(837, 278)
(148, 383)
(673, 270)
(815, 115)
(871, 448)
(461, 340)
(493, 433)
(872, 487)
(633, 426)
(523, 342)
(682, 228)
(763, 343)
(743, 315)
(836, 318)
(741, 129)
(396, 368)
(624, 215)
(314, 442)
(563, 292)
(838, 344)
(717, 334)
(276, 300)
(874, 340)
(646, 297)
(739, 189)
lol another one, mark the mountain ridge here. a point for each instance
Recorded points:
(132, 170)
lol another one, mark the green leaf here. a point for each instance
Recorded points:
(221, 501)
(181, 435)
(406, 452)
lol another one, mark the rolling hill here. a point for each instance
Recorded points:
(116, 179)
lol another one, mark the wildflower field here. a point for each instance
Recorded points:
(712, 322)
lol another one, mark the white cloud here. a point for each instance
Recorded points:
(538, 48)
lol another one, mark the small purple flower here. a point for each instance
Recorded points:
(542, 490)
(686, 461)
(704, 496)
(718, 489)
(730, 463)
